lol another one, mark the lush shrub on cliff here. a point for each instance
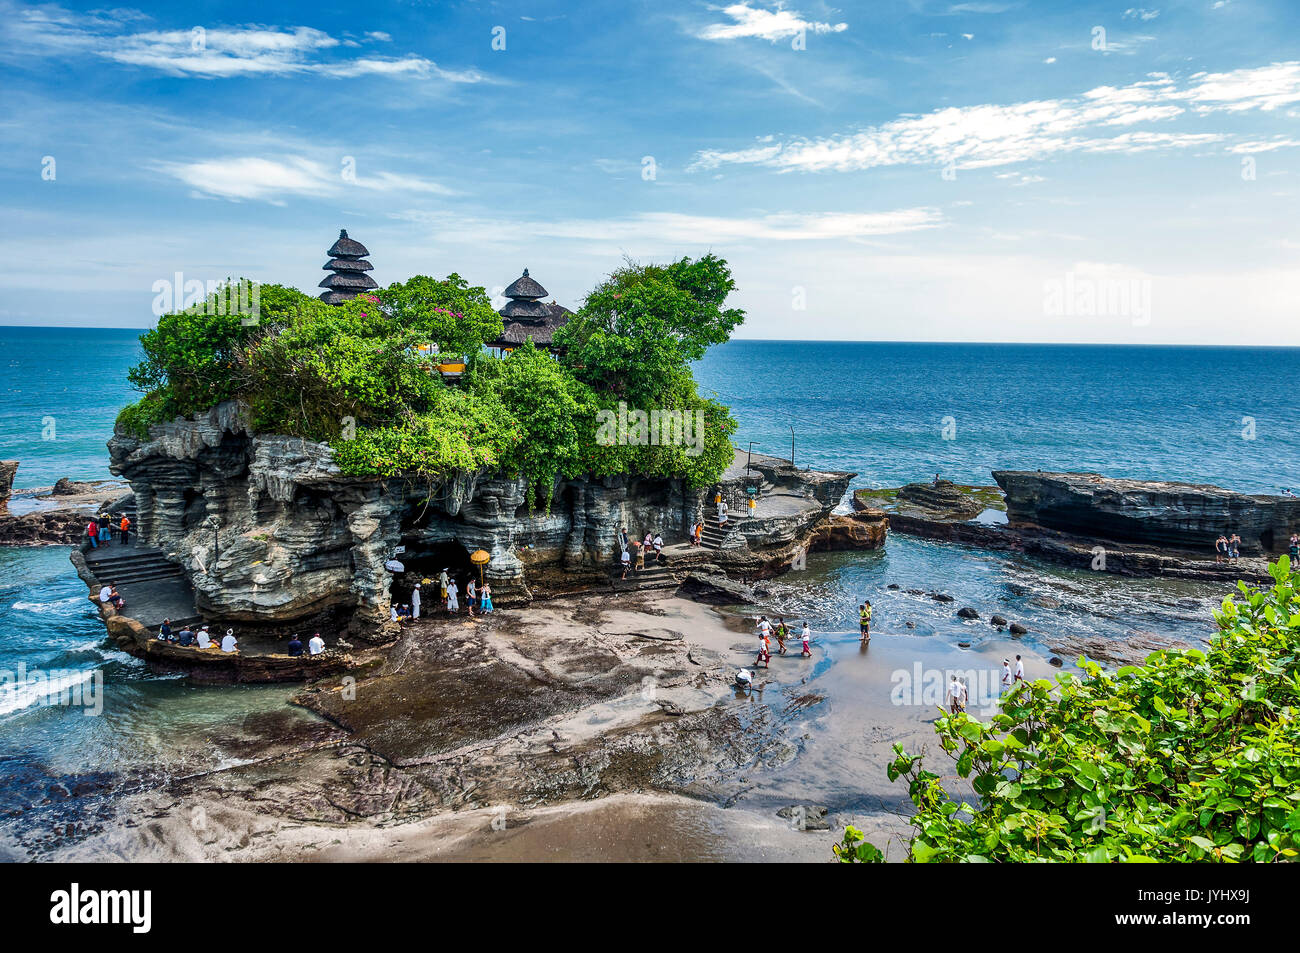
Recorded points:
(638, 331)
(359, 376)
(1192, 756)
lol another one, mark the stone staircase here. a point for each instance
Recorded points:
(154, 587)
(654, 576)
(713, 533)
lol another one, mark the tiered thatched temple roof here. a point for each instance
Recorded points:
(527, 317)
(348, 267)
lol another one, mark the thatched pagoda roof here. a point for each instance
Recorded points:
(525, 288)
(346, 247)
(347, 264)
(356, 282)
(347, 269)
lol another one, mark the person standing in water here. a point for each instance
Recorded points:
(782, 633)
(806, 635)
(864, 620)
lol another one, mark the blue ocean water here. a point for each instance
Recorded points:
(876, 409)
(1171, 413)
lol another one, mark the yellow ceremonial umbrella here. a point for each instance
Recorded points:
(480, 559)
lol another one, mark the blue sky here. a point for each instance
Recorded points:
(880, 171)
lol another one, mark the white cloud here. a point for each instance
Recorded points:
(261, 179)
(999, 134)
(772, 25)
(678, 229)
(210, 53)
(1140, 13)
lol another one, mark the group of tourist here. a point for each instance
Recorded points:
(767, 631)
(959, 694)
(1227, 548)
(200, 638)
(100, 530)
(633, 552)
(476, 597)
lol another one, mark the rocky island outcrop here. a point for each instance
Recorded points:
(271, 534)
(1181, 516)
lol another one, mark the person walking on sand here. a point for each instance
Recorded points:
(486, 604)
(782, 633)
(452, 605)
(1220, 548)
(864, 620)
(1006, 676)
(125, 528)
(1020, 669)
(415, 602)
(806, 635)
(956, 696)
(764, 647)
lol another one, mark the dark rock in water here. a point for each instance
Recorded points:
(1018, 629)
(1055, 661)
(998, 620)
(1185, 516)
(841, 532)
(963, 645)
(1047, 602)
(66, 487)
(892, 585)
(716, 590)
(7, 470)
(942, 497)
(940, 597)
(966, 612)
(807, 817)
(910, 625)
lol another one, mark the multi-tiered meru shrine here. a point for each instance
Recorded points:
(348, 267)
(525, 317)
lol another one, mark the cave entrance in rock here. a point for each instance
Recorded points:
(427, 560)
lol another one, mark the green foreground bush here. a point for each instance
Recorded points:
(1192, 756)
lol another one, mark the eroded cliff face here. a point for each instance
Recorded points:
(1177, 515)
(270, 532)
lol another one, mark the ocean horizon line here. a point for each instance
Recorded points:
(854, 341)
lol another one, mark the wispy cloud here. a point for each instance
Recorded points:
(677, 229)
(765, 24)
(997, 134)
(210, 53)
(272, 180)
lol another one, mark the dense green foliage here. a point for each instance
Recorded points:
(641, 327)
(1191, 756)
(360, 375)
